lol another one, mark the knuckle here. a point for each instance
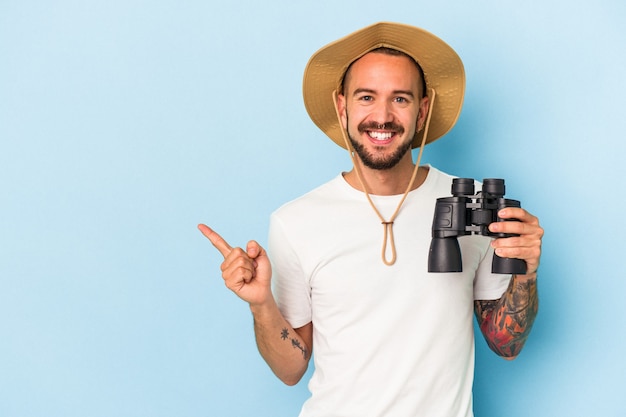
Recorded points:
(235, 275)
(238, 252)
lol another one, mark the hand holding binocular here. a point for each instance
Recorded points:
(466, 213)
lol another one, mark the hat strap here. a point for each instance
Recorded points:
(387, 224)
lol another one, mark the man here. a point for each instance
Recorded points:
(390, 338)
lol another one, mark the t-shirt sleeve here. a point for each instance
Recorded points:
(289, 283)
(487, 285)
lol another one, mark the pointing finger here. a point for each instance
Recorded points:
(217, 240)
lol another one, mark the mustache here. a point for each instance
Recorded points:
(394, 127)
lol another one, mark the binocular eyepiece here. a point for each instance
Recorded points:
(466, 213)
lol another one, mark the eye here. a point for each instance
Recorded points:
(401, 100)
(366, 98)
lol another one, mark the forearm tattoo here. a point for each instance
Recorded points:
(295, 343)
(506, 322)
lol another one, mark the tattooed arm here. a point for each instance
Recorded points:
(286, 350)
(506, 323)
(247, 272)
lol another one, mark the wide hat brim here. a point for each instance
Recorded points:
(443, 72)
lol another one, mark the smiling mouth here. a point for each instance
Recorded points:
(380, 138)
(380, 134)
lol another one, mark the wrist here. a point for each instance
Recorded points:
(526, 278)
(262, 308)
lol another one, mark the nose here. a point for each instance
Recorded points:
(381, 113)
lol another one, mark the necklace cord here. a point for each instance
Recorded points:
(388, 238)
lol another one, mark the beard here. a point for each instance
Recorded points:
(380, 162)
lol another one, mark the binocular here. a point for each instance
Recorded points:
(466, 213)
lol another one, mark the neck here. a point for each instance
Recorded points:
(392, 181)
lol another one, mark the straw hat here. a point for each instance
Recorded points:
(443, 71)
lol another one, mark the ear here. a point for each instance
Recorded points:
(341, 109)
(423, 112)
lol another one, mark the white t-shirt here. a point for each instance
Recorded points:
(387, 340)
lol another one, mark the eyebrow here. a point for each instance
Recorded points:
(369, 90)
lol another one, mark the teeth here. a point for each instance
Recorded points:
(380, 135)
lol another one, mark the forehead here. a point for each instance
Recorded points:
(382, 69)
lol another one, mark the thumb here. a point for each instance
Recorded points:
(261, 260)
(253, 249)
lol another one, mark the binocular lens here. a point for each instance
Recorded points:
(494, 187)
(462, 186)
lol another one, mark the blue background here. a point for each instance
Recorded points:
(123, 124)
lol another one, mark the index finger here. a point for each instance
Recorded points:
(517, 213)
(217, 240)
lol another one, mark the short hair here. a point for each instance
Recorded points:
(393, 52)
